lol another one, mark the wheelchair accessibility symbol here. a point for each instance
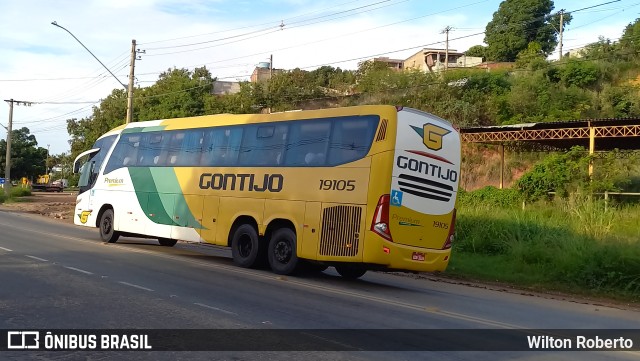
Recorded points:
(396, 198)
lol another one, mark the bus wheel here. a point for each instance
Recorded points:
(351, 272)
(167, 242)
(107, 233)
(282, 252)
(245, 246)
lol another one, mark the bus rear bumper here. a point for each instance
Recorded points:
(402, 257)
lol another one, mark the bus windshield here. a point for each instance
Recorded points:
(91, 167)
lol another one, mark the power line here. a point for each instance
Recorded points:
(281, 27)
(273, 22)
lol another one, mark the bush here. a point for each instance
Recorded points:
(20, 192)
(558, 172)
(3, 197)
(490, 197)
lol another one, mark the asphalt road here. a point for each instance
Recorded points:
(58, 276)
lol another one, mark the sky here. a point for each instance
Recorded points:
(44, 64)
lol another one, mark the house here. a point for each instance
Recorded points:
(225, 87)
(433, 60)
(577, 53)
(395, 64)
(263, 72)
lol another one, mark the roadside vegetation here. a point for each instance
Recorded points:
(572, 241)
(16, 193)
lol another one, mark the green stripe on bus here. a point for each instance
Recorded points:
(159, 193)
(148, 197)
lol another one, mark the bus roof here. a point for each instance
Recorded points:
(237, 119)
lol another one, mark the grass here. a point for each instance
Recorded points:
(573, 245)
(16, 194)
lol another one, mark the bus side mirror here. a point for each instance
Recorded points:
(76, 167)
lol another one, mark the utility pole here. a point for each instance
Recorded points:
(132, 66)
(270, 76)
(446, 49)
(46, 166)
(7, 163)
(561, 21)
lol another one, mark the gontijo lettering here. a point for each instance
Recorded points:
(426, 168)
(219, 181)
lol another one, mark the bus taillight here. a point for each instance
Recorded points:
(452, 231)
(380, 224)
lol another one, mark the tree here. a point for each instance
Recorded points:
(478, 51)
(519, 22)
(579, 73)
(109, 114)
(630, 40)
(177, 93)
(27, 159)
(532, 57)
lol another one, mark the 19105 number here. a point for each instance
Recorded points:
(337, 185)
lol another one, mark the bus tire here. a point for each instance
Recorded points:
(107, 233)
(167, 242)
(351, 272)
(245, 246)
(283, 257)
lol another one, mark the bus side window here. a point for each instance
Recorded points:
(130, 150)
(351, 139)
(189, 153)
(175, 147)
(221, 146)
(150, 149)
(308, 143)
(263, 145)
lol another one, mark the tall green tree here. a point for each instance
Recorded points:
(27, 159)
(630, 39)
(477, 50)
(519, 22)
(111, 113)
(177, 93)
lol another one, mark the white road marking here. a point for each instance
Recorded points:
(6, 249)
(37, 258)
(215, 308)
(136, 286)
(78, 270)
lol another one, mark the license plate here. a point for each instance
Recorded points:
(417, 256)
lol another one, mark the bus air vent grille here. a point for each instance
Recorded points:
(382, 133)
(340, 231)
(425, 188)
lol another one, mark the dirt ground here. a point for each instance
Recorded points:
(53, 205)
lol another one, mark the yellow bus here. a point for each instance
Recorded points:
(357, 188)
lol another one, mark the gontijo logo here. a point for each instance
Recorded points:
(432, 135)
